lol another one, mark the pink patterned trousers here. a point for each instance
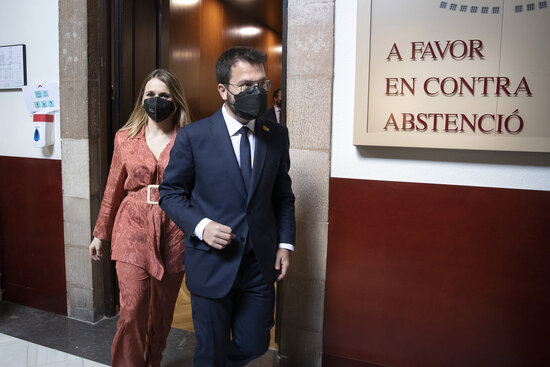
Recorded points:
(146, 312)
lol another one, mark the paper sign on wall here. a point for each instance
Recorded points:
(42, 97)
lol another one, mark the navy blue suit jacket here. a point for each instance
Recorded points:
(203, 180)
(270, 115)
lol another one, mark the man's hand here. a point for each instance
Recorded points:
(217, 235)
(282, 262)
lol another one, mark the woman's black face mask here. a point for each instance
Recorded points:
(159, 109)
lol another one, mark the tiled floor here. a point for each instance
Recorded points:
(31, 337)
(16, 352)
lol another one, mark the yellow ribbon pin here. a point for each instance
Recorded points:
(265, 128)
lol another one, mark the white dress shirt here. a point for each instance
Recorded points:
(233, 126)
(277, 113)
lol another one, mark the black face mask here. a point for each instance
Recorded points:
(250, 103)
(158, 108)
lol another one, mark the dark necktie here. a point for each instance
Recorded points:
(246, 166)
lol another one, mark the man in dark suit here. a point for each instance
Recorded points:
(274, 113)
(227, 187)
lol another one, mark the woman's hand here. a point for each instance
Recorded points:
(96, 249)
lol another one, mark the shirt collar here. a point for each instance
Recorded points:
(233, 126)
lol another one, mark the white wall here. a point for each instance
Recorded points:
(35, 24)
(455, 167)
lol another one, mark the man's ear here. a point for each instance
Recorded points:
(222, 90)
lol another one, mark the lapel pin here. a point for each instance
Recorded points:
(265, 128)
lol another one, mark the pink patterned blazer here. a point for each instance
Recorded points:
(141, 233)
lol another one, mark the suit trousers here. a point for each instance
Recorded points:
(246, 314)
(146, 312)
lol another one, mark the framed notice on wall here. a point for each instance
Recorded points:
(441, 74)
(13, 66)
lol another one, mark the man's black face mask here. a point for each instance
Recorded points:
(250, 103)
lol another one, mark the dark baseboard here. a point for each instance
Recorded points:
(335, 361)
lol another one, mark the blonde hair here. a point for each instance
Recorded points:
(138, 118)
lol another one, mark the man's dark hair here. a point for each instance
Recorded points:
(275, 92)
(234, 54)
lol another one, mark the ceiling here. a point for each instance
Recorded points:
(268, 13)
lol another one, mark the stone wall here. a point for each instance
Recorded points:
(310, 45)
(78, 81)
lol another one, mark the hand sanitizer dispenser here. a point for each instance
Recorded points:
(43, 129)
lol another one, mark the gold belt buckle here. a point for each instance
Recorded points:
(149, 187)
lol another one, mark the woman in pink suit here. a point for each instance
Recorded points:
(146, 245)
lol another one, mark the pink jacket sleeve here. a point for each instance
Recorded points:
(113, 195)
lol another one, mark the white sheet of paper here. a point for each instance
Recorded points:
(41, 97)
